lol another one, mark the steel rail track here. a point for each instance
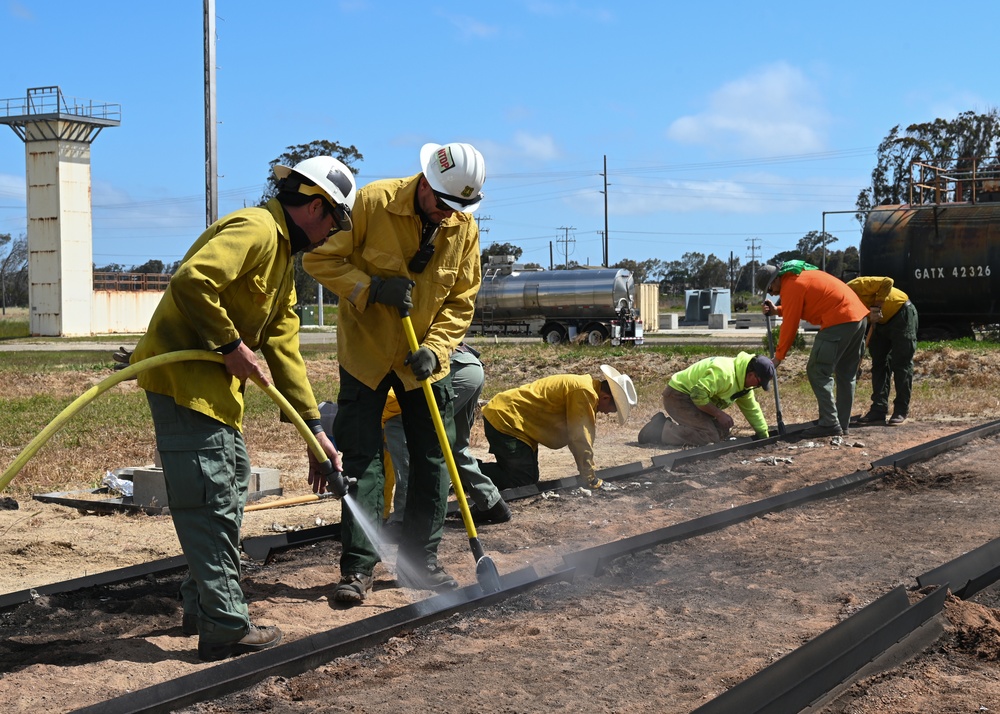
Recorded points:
(804, 676)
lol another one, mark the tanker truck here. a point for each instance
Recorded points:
(593, 305)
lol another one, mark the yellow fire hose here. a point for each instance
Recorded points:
(158, 361)
(486, 569)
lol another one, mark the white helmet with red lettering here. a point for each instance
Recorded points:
(456, 173)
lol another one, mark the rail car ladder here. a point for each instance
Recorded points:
(486, 311)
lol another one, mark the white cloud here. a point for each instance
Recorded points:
(672, 196)
(747, 194)
(518, 113)
(538, 147)
(522, 152)
(19, 11)
(774, 111)
(470, 28)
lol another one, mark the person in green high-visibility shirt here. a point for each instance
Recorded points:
(696, 398)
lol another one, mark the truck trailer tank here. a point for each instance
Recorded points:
(565, 302)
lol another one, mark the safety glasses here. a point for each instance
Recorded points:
(442, 197)
(341, 215)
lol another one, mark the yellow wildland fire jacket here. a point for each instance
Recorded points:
(553, 411)
(386, 235)
(879, 291)
(236, 282)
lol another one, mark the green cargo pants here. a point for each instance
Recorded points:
(207, 473)
(892, 348)
(834, 359)
(516, 464)
(357, 432)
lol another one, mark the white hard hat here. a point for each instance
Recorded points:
(456, 172)
(333, 179)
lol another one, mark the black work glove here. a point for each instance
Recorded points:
(394, 292)
(123, 356)
(423, 362)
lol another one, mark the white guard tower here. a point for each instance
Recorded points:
(57, 134)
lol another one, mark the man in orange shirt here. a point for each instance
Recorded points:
(806, 292)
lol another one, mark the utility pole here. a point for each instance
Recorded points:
(605, 192)
(552, 264)
(479, 224)
(566, 240)
(211, 152)
(753, 264)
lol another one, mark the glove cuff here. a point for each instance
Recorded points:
(373, 289)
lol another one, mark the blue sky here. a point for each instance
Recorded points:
(721, 122)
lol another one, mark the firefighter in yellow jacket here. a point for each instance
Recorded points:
(414, 247)
(893, 343)
(555, 411)
(234, 293)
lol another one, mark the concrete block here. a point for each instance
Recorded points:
(149, 488)
(264, 479)
(669, 321)
(717, 321)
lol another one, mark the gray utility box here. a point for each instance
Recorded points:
(150, 490)
(700, 304)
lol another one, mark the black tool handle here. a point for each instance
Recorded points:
(777, 399)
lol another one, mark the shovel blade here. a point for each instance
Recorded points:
(487, 575)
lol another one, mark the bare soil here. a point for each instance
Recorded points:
(665, 630)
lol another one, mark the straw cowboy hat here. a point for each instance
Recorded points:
(622, 390)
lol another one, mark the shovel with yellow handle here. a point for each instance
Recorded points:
(486, 569)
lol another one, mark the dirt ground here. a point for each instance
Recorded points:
(665, 630)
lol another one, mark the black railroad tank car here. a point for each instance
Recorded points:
(946, 257)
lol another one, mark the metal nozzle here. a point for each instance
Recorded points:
(337, 482)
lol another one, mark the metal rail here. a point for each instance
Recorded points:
(310, 652)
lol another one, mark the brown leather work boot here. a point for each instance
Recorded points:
(256, 639)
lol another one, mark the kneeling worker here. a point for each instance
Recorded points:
(555, 411)
(695, 400)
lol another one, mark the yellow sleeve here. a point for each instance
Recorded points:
(582, 422)
(330, 266)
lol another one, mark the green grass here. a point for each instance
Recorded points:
(964, 343)
(58, 361)
(14, 328)
(115, 430)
